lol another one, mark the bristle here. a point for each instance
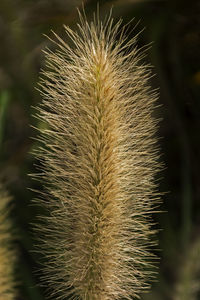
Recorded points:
(7, 252)
(99, 160)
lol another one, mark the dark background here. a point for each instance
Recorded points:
(174, 28)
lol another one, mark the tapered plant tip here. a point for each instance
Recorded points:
(99, 158)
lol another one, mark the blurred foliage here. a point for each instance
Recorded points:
(174, 28)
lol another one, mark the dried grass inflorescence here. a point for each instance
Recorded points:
(99, 159)
(7, 252)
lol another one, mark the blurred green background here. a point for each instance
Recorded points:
(174, 28)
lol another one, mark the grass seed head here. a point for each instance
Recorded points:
(7, 250)
(99, 159)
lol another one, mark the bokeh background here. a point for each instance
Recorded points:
(174, 28)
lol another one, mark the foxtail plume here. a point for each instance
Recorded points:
(99, 158)
(7, 252)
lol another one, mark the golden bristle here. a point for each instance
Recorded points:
(99, 160)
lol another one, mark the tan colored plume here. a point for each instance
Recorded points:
(7, 252)
(99, 159)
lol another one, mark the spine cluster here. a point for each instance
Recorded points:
(99, 159)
